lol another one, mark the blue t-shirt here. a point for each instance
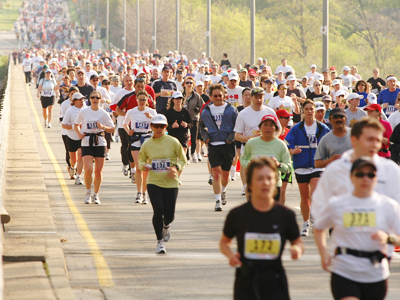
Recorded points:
(387, 96)
(362, 101)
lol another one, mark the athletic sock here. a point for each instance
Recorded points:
(218, 197)
(224, 189)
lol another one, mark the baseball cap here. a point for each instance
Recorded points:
(80, 71)
(115, 78)
(252, 72)
(332, 68)
(121, 69)
(102, 74)
(45, 66)
(268, 117)
(257, 91)
(224, 74)
(304, 77)
(269, 80)
(233, 76)
(176, 95)
(327, 98)
(352, 96)
(319, 106)
(159, 119)
(338, 112)
(48, 71)
(372, 98)
(288, 74)
(77, 96)
(283, 113)
(362, 162)
(101, 62)
(346, 68)
(198, 83)
(374, 107)
(340, 93)
(166, 68)
(313, 66)
(291, 77)
(325, 71)
(243, 70)
(105, 81)
(94, 76)
(335, 82)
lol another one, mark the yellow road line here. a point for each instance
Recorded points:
(103, 272)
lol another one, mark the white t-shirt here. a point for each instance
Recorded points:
(287, 102)
(69, 119)
(139, 121)
(284, 69)
(235, 96)
(215, 79)
(394, 119)
(248, 120)
(267, 97)
(312, 138)
(36, 61)
(354, 220)
(179, 86)
(88, 117)
(63, 109)
(90, 73)
(199, 77)
(118, 96)
(106, 106)
(27, 63)
(217, 112)
(47, 87)
(115, 89)
(313, 75)
(348, 80)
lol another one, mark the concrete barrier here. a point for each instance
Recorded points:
(4, 130)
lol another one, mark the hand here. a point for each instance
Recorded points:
(100, 126)
(256, 133)
(146, 168)
(131, 132)
(293, 95)
(207, 141)
(164, 93)
(81, 136)
(234, 260)
(379, 84)
(380, 236)
(102, 100)
(148, 115)
(335, 157)
(296, 151)
(183, 124)
(385, 105)
(275, 160)
(281, 106)
(172, 172)
(175, 124)
(295, 251)
(326, 260)
(38, 95)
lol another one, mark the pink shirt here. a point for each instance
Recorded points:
(386, 134)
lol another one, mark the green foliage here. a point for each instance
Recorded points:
(9, 11)
(3, 66)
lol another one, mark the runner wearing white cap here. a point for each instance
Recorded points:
(234, 90)
(312, 74)
(347, 78)
(354, 113)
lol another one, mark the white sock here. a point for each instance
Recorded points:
(308, 221)
(95, 194)
(218, 197)
(224, 189)
(233, 168)
(78, 176)
(244, 187)
(89, 191)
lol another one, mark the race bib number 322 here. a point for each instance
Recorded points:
(264, 246)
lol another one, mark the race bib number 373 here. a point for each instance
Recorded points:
(359, 220)
(264, 246)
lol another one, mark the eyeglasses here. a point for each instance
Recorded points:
(143, 99)
(217, 96)
(140, 79)
(189, 82)
(94, 97)
(106, 83)
(158, 125)
(362, 174)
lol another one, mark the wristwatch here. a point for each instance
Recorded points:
(391, 239)
(176, 166)
(280, 165)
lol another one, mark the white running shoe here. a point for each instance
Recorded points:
(139, 198)
(194, 158)
(96, 199)
(180, 182)
(166, 233)
(198, 156)
(125, 169)
(306, 229)
(88, 198)
(46, 123)
(107, 156)
(78, 180)
(117, 138)
(161, 247)
(218, 206)
(210, 180)
(233, 174)
(145, 198)
(243, 192)
(224, 198)
(71, 172)
(49, 125)
(133, 179)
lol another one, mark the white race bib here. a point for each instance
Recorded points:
(160, 165)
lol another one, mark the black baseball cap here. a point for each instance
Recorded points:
(362, 162)
(338, 112)
(94, 76)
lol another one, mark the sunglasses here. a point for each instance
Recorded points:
(189, 82)
(106, 83)
(283, 88)
(217, 96)
(286, 118)
(143, 99)
(158, 125)
(94, 97)
(362, 174)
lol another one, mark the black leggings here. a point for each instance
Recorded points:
(28, 77)
(64, 137)
(163, 201)
(126, 154)
(193, 136)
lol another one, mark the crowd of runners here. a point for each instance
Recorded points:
(333, 132)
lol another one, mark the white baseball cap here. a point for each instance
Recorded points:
(340, 93)
(352, 96)
(176, 95)
(159, 119)
(335, 82)
(372, 98)
(233, 76)
(291, 77)
(77, 95)
(346, 68)
(313, 66)
(199, 83)
(319, 106)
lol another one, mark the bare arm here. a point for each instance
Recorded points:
(120, 112)
(225, 248)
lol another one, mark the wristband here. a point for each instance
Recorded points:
(391, 239)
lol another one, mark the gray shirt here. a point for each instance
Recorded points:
(356, 116)
(330, 145)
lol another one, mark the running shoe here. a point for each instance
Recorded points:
(112, 139)
(117, 138)
(198, 157)
(218, 206)
(71, 172)
(133, 179)
(125, 169)
(45, 123)
(243, 192)
(306, 229)
(88, 198)
(107, 156)
(180, 182)
(96, 199)
(224, 198)
(233, 173)
(312, 226)
(161, 247)
(78, 180)
(166, 233)
(139, 198)
(194, 158)
(145, 198)
(210, 180)
(49, 125)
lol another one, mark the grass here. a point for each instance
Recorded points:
(3, 66)
(72, 11)
(9, 13)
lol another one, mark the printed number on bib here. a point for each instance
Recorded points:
(91, 125)
(142, 125)
(360, 220)
(265, 246)
(160, 165)
(46, 93)
(312, 139)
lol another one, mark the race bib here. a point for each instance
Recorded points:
(390, 109)
(160, 165)
(91, 125)
(47, 93)
(169, 92)
(312, 140)
(218, 119)
(360, 220)
(109, 110)
(265, 246)
(375, 91)
(142, 125)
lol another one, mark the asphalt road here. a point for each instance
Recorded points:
(122, 231)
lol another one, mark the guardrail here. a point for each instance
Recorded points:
(4, 131)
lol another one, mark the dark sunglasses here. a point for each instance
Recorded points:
(94, 97)
(217, 96)
(106, 83)
(140, 79)
(362, 174)
(143, 99)
(158, 125)
(189, 82)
